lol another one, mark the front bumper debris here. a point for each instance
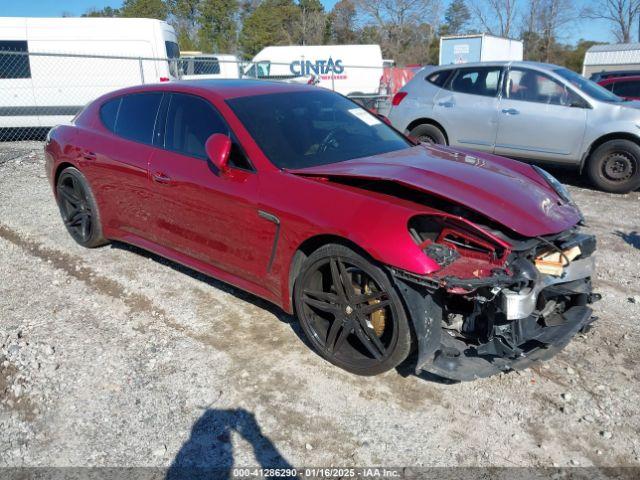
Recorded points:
(458, 361)
(506, 326)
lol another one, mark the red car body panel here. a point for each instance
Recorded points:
(215, 222)
(501, 192)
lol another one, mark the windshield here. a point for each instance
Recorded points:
(592, 89)
(317, 127)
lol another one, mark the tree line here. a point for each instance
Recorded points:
(407, 30)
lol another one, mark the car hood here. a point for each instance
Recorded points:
(506, 191)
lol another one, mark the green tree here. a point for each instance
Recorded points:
(456, 18)
(311, 22)
(575, 57)
(184, 18)
(269, 24)
(105, 12)
(218, 25)
(145, 9)
(343, 22)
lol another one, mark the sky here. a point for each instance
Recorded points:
(591, 30)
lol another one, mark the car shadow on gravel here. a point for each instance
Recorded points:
(406, 369)
(212, 282)
(208, 453)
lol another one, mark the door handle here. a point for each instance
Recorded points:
(510, 111)
(445, 104)
(87, 155)
(160, 177)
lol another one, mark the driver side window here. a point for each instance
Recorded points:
(191, 121)
(531, 86)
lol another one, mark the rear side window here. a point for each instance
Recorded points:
(477, 81)
(439, 78)
(109, 113)
(190, 122)
(14, 65)
(137, 115)
(629, 88)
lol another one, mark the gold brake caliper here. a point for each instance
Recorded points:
(377, 318)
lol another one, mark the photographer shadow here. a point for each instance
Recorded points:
(208, 453)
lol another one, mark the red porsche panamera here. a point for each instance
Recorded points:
(298, 195)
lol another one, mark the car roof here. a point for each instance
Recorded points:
(221, 89)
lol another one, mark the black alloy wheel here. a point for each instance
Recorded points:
(78, 208)
(350, 312)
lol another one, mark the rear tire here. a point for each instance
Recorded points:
(428, 133)
(350, 312)
(615, 166)
(78, 208)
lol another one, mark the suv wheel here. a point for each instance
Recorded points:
(427, 133)
(615, 166)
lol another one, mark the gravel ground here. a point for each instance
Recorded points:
(114, 357)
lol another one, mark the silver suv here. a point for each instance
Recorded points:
(526, 110)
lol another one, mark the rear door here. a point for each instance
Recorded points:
(540, 118)
(468, 107)
(118, 162)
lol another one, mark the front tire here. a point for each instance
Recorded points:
(78, 208)
(428, 133)
(615, 166)
(350, 312)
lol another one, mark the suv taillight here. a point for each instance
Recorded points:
(397, 98)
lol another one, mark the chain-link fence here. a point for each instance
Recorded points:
(40, 90)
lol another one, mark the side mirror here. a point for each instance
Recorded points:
(218, 148)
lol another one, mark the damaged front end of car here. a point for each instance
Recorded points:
(499, 301)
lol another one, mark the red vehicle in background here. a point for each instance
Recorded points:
(394, 78)
(625, 87)
(380, 246)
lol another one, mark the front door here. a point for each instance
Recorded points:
(540, 118)
(206, 214)
(468, 107)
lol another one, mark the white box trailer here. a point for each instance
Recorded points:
(52, 67)
(347, 69)
(479, 48)
(611, 58)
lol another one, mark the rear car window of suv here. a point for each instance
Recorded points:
(477, 81)
(439, 78)
(137, 115)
